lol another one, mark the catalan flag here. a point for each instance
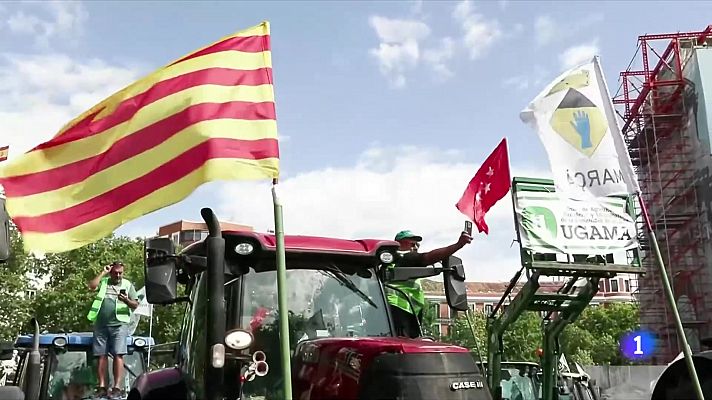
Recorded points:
(4, 151)
(207, 116)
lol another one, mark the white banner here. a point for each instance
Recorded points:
(548, 224)
(143, 307)
(575, 121)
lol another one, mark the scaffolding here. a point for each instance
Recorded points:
(658, 106)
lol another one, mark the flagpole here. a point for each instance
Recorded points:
(150, 335)
(282, 293)
(671, 302)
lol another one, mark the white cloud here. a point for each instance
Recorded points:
(382, 193)
(399, 47)
(48, 21)
(533, 78)
(545, 30)
(548, 31)
(438, 57)
(399, 30)
(479, 33)
(40, 93)
(576, 55)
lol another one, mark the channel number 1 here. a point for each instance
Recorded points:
(638, 341)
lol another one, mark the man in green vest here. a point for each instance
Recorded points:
(111, 313)
(407, 315)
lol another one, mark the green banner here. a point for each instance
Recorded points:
(548, 224)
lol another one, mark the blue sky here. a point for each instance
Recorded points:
(385, 109)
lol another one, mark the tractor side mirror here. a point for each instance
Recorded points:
(4, 232)
(159, 267)
(454, 281)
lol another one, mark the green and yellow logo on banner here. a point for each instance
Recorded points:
(579, 122)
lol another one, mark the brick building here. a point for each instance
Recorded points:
(184, 233)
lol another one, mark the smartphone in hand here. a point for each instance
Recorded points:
(122, 292)
(468, 227)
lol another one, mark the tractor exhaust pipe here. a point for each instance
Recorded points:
(259, 365)
(214, 373)
(261, 368)
(32, 386)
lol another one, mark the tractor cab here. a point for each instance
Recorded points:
(68, 367)
(341, 333)
(519, 380)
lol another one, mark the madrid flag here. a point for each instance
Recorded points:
(490, 183)
(575, 121)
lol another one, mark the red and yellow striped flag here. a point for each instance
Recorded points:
(4, 151)
(207, 116)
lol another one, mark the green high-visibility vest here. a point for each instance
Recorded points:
(123, 312)
(412, 289)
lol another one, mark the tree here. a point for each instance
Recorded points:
(64, 302)
(430, 319)
(594, 338)
(69, 273)
(461, 334)
(14, 304)
(520, 340)
(523, 338)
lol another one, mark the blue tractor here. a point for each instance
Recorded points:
(61, 366)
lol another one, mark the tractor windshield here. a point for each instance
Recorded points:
(323, 302)
(71, 374)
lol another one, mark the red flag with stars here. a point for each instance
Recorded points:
(489, 185)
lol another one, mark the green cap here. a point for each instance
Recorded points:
(408, 235)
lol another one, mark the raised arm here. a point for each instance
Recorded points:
(442, 253)
(94, 283)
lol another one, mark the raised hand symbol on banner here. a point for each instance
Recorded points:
(583, 128)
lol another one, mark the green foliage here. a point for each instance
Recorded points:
(430, 319)
(592, 339)
(69, 273)
(461, 334)
(520, 341)
(523, 338)
(63, 303)
(14, 306)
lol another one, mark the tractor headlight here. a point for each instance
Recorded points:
(244, 249)
(238, 339)
(386, 257)
(139, 342)
(59, 341)
(217, 352)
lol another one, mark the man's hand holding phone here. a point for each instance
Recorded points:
(122, 295)
(466, 236)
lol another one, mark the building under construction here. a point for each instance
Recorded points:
(665, 100)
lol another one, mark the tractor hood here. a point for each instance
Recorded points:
(388, 367)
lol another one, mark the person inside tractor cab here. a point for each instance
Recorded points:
(78, 386)
(407, 319)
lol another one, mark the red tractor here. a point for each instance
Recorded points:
(342, 343)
